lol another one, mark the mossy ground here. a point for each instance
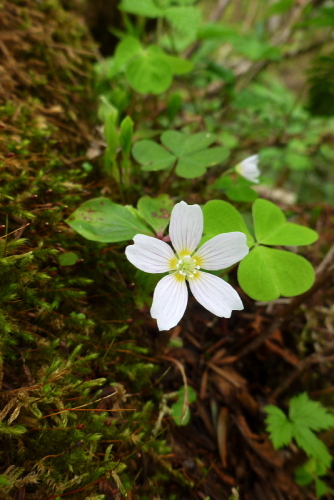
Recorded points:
(78, 392)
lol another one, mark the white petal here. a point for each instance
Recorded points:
(215, 294)
(169, 301)
(251, 159)
(222, 251)
(186, 227)
(248, 168)
(151, 255)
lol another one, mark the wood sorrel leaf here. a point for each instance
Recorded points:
(156, 211)
(266, 273)
(222, 217)
(152, 156)
(102, 220)
(149, 73)
(127, 48)
(241, 193)
(195, 164)
(181, 144)
(192, 153)
(271, 227)
(179, 66)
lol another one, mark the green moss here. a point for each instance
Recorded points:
(76, 407)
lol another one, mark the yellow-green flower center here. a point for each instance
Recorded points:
(187, 266)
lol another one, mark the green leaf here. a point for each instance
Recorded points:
(5, 481)
(321, 488)
(310, 413)
(111, 136)
(156, 211)
(312, 445)
(126, 134)
(178, 406)
(127, 49)
(267, 218)
(195, 164)
(102, 220)
(149, 73)
(182, 145)
(297, 161)
(291, 234)
(279, 7)
(185, 21)
(192, 153)
(254, 49)
(222, 217)
(266, 273)
(174, 105)
(146, 8)
(67, 258)
(152, 156)
(241, 194)
(271, 227)
(279, 427)
(223, 183)
(179, 66)
(144, 287)
(302, 476)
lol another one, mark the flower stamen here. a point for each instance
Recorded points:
(187, 266)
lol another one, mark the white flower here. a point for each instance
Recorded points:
(248, 169)
(171, 295)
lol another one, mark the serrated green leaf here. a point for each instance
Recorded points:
(266, 273)
(156, 211)
(151, 156)
(271, 227)
(149, 73)
(312, 445)
(310, 413)
(102, 220)
(222, 217)
(279, 427)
